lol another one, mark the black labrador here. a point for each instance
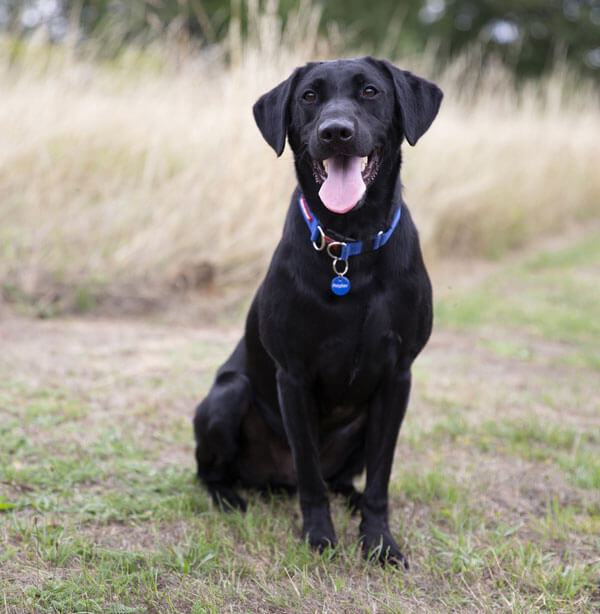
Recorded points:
(317, 388)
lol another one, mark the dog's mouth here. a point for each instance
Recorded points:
(344, 179)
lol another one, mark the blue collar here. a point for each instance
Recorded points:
(348, 248)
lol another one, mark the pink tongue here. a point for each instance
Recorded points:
(344, 184)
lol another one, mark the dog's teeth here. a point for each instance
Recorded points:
(325, 166)
(363, 163)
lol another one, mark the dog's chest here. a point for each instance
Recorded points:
(344, 344)
(355, 355)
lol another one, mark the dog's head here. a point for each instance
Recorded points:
(345, 121)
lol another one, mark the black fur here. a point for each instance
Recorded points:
(316, 390)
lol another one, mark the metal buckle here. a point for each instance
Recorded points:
(322, 243)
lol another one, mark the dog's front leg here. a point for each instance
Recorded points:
(299, 419)
(385, 417)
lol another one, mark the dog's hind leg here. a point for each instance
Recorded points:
(217, 428)
(347, 490)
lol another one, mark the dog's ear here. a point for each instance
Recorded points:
(271, 113)
(419, 101)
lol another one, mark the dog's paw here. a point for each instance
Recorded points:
(320, 542)
(227, 499)
(320, 535)
(317, 527)
(382, 547)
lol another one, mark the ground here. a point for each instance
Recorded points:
(495, 493)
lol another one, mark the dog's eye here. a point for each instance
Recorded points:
(309, 96)
(369, 91)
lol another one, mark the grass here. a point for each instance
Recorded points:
(562, 302)
(129, 177)
(494, 494)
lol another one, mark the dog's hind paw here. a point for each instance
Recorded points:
(352, 496)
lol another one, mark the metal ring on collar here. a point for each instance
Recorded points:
(334, 264)
(321, 245)
(340, 244)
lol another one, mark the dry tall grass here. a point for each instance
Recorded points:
(142, 167)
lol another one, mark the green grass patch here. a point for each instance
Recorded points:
(573, 451)
(551, 296)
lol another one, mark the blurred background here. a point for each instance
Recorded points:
(132, 175)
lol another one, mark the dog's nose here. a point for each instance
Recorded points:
(333, 131)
